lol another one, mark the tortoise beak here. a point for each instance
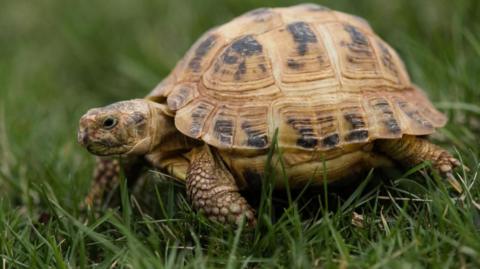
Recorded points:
(83, 134)
(82, 137)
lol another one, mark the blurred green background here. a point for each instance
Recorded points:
(60, 58)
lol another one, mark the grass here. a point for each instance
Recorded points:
(59, 58)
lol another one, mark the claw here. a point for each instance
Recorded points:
(455, 162)
(454, 182)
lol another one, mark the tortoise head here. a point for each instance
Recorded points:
(131, 127)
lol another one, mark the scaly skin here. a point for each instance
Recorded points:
(106, 177)
(213, 191)
(413, 150)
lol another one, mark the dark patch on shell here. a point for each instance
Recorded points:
(355, 120)
(305, 129)
(307, 142)
(388, 117)
(325, 121)
(320, 59)
(291, 63)
(356, 35)
(201, 51)
(237, 52)
(198, 115)
(302, 35)
(262, 67)
(216, 67)
(392, 126)
(242, 69)
(331, 141)
(230, 59)
(359, 43)
(256, 138)
(329, 119)
(414, 115)
(387, 59)
(178, 100)
(358, 135)
(223, 130)
(246, 46)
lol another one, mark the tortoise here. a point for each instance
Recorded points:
(336, 96)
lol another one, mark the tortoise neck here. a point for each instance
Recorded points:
(165, 136)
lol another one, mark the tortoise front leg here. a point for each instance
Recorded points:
(106, 177)
(412, 150)
(212, 190)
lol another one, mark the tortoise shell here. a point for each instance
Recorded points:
(323, 78)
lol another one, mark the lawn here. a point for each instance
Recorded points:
(59, 58)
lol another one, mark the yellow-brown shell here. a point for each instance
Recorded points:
(322, 77)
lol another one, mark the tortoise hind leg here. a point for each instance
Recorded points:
(213, 190)
(413, 150)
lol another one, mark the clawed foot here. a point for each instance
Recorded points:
(231, 214)
(445, 165)
(213, 191)
(224, 207)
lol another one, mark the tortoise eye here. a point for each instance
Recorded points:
(109, 123)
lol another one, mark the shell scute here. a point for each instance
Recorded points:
(253, 121)
(355, 125)
(302, 56)
(192, 119)
(242, 65)
(357, 56)
(388, 124)
(181, 95)
(205, 45)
